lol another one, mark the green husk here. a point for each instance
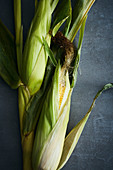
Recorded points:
(62, 13)
(34, 56)
(54, 4)
(77, 59)
(49, 52)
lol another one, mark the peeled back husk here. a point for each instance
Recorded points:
(51, 129)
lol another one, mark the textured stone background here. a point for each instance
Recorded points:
(95, 148)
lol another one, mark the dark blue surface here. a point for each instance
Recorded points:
(95, 148)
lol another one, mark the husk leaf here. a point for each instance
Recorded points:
(77, 59)
(62, 13)
(80, 11)
(8, 70)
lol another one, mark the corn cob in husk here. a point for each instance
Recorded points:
(52, 124)
(34, 56)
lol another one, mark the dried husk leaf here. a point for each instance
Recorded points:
(73, 137)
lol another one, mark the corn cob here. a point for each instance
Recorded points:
(52, 123)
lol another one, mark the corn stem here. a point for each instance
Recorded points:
(18, 31)
(26, 139)
(27, 145)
